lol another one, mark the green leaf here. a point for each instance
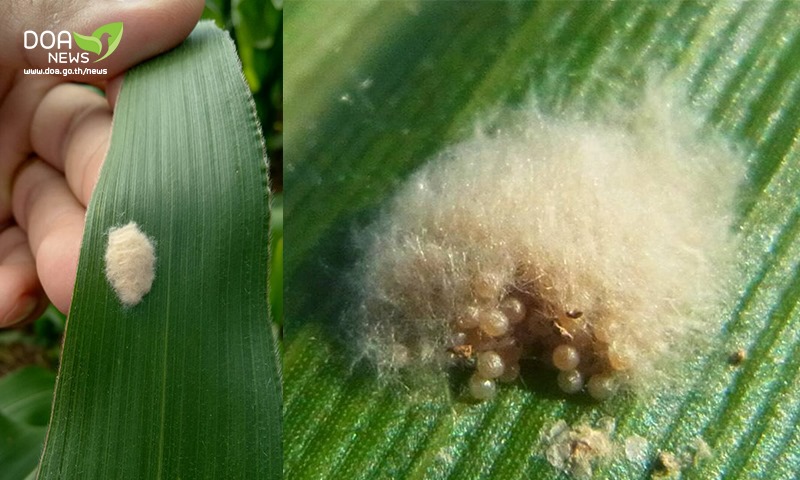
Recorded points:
(184, 384)
(373, 90)
(88, 43)
(25, 397)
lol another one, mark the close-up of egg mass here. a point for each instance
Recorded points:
(600, 249)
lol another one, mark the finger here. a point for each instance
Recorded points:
(112, 89)
(71, 131)
(22, 294)
(6, 82)
(149, 28)
(53, 219)
(16, 113)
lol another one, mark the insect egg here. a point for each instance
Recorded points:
(570, 381)
(510, 373)
(486, 286)
(469, 319)
(482, 388)
(490, 364)
(601, 387)
(514, 309)
(493, 322)
(566, 357)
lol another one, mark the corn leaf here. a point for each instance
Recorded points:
(373, 91)
(184, 384)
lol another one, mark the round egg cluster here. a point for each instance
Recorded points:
(509, 323)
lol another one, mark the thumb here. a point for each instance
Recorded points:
(41, 34)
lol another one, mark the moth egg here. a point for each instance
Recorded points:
(490, 364)
(570, 381)
(510, 373)
(130, 263)
(514, 309)
(601, 387)
(493, 322)
(482, 388)
(486, 287)
(469, 319)
(566, 357)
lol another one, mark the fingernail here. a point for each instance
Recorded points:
(25, 306)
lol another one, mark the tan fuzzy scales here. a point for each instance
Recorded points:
(576, 450)
(130, 263)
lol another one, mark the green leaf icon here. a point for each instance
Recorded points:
(90, 44)
(94, 44)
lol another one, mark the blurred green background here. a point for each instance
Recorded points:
(257, 28)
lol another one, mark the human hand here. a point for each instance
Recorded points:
(54, 137)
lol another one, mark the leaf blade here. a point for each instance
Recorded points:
(186, 382)
(426, 94)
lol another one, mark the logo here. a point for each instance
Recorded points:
(94, 42)
(61, 41)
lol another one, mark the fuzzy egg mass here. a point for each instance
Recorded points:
(603, 249)
(130, 263)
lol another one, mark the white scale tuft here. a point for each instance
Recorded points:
(130, 263)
